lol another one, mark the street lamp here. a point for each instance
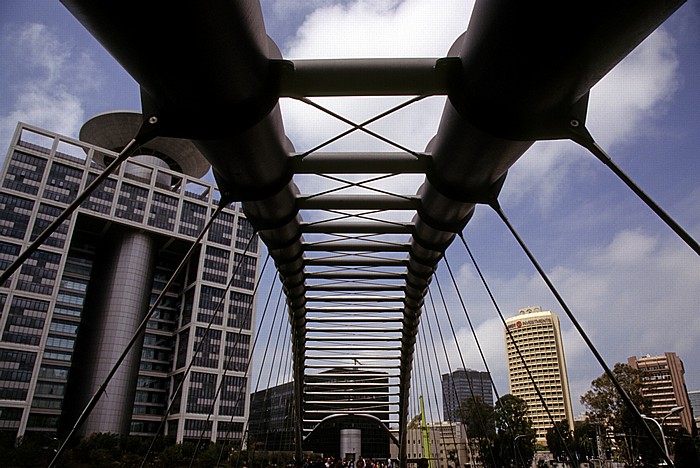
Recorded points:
(516, 452)
(674, 410)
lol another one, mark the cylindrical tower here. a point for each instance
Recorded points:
(121, 282)
(350, 443)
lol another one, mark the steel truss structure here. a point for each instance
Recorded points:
(355, 277)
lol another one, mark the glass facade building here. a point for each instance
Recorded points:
(67, 311)
(461, 386)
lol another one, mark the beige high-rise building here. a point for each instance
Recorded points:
(538, 338)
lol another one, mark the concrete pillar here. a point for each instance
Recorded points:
(350, 443)
(117, 300)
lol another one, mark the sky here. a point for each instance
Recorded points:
(632, 283)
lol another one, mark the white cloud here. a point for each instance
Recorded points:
(634, 91)
(381, 28)
(50, 88)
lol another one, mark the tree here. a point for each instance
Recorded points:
(685, 452)
(515, 437)
(478, 419)
(415, 422)
(560, 440)
(605, 406)
(585, 441)
(503, 434)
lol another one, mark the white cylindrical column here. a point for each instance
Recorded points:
(117, 300)
(350, 444)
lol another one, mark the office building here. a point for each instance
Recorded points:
(533, 343)
(271, 421)
(449, 445)
(71, 309)
(694, 397)
(664, 384)
(462, 386)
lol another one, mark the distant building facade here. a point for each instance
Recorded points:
(360, 418)
(271, 421)
(448, 445)
(70, 310)
(537, 335)
(694, 397)
(664, 384)
(461, 386)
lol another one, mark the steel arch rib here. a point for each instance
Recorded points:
(521, 72)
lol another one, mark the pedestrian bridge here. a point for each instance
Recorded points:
(356, 256)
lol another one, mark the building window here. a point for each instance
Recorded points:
(15, 373)
(63, 183)
(15, 213)
(210, 305)
(24, 173)
(202, 392)
(209, 345)
(25, 321)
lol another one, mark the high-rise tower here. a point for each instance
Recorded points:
(536, 335)
(664, 384)
(70, 310)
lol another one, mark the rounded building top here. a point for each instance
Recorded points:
(114, 130)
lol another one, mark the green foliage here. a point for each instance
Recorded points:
(112, 450)
(560, 440)
(683, 447)
(503, 434)
(605, 406)
(415, 422)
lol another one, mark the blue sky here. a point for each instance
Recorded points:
(633, 285)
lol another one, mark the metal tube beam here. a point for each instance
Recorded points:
(319, 339)
(350, 246)
(366, 77)
(357, 202)
(357, 261)
(356, 227)
(353, 320)
(354, 287)
(336, 309)
(360, 163)
(355, 275)
(354, 298)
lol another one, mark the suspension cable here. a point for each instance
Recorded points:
(454, 387)
(432, 380)
(141, 329)
(476, 338)
(274, 352)
(425, 362)
(471, 326)
(480, 416)
(585, 139)
(437, 360)
(621, 391)
(246, 424)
